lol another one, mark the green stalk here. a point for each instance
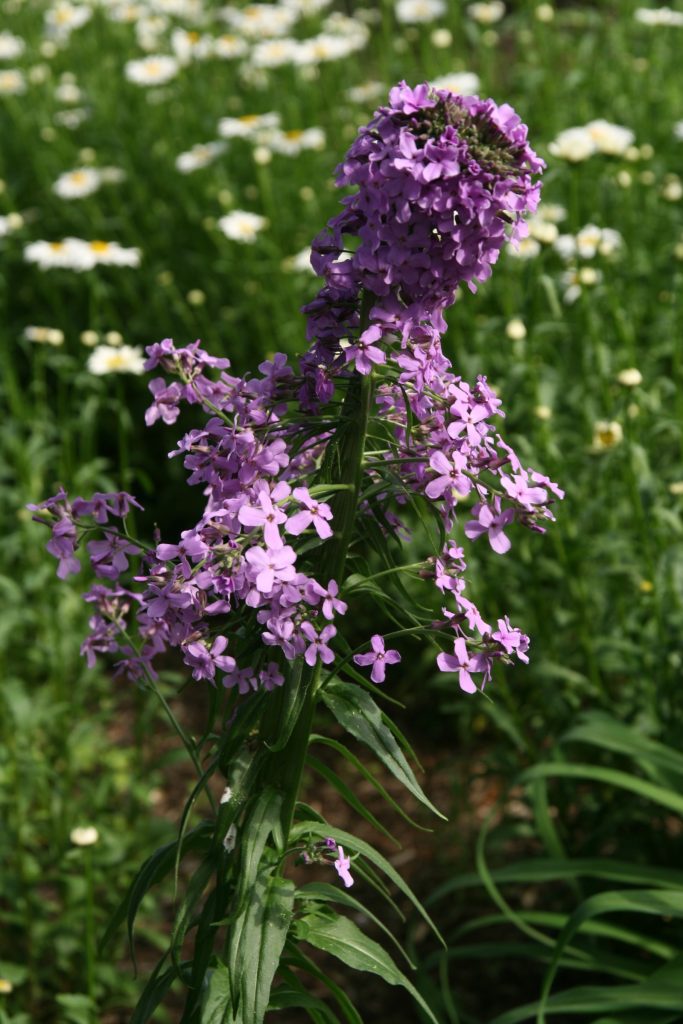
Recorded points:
(343, 465)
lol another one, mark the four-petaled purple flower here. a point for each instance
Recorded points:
(378, 658)
(318, 644)
(464, 663)
(314, 512)
(492, 521)
(271, 564)
(267, 516)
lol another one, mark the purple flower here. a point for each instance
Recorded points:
(332, 604)
(270, 676)
(318, 644)
(204, 661)
(108, 556)
(378, 658)
(464, 663)
(451, 475)
(511, 639)
(63, 546)
(363, 352)
(191, 546)
(271, 564)
(342, 865)
(314, 512)
(242, 678)
(267, 516)
(491, 521)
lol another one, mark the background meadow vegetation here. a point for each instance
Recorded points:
(129, 128)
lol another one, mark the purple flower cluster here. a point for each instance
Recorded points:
(443, 181)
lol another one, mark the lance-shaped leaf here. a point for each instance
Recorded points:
(343, 939)
(357, 712)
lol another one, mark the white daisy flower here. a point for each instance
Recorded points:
(418, 12)
(293, 142)
(154, 70)
(82, 181)
(11, 46)
(366, 92)
(242, 226)
(9, 223)
(462, 83)
(573, 144)
(63, 17)
(85, 835)
(260, 21)
(228, 47)
(12, 82)
(274, 53)
(612, 139)
(68, 92)
(486, 13)
(116, 359)
(44, 335)
(526, 249)
(69, 254)
(659, 16)
(199, 156)
(190, 45)
(111, 254)
(247, 126)
(678, 130)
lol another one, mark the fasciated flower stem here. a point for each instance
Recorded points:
(343, 466)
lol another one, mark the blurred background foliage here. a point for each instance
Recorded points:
(580, 333)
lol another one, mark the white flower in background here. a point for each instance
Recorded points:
(293, 142)
(300, 263)
(659, 16)
(70, 254)
(487, 13)
(199, 156)
(242, 226)
(68, 92)
(6, 987)
(350, 28)
(525, 249)
(228, 47)
(9, 223)
(116, 359)
(366, 92)
(574, 281)
(82, 181)
(63, 17)
(71, 119)
(324, 47)
(678, 130)
(189, 45)
(111, 254)
(553, 213)
(606, 434)
(462, 83)
(126, 13)
(149, 30)
(185, 10)
(44, 335)
(419, 12)
(544, 231)
(544, 13)
(154, 70)
(274, 53)
(612, 139)
(672, 189)
(11, 46)
(260, 21)
(515, 329)
(89, 338)
(573, 144)
(307, 8)
(630, 377)
(85, 835)
(12, 82)
(247, 126)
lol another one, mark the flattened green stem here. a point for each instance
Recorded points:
(344, 470)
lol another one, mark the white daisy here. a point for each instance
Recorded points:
(82, 181)
(62, 18)
(12, 82)
(293, 142)
(247, 126)
(462, 83)
(659, 16)
(111, 254)
(116, 359)
(418, 12)
(70, 254)
(11, 46)
(242, 226)
(228, 47)
(44, 335)
(260, 21)
(573, 144)
(487, 13)
(153, 70)
(612, 139)
(199, 156)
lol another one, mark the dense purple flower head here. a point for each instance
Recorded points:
(442, 183)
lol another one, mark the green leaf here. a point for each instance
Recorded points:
(154, 991)
(217, 1000)
(77, 1008)
(603, 731)
(263, 939)
(263, 820)
(612, 776)
(152, 871)
(321, 830)
(343, 939)
(357, 712)
(323, 891)
(347, 794)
